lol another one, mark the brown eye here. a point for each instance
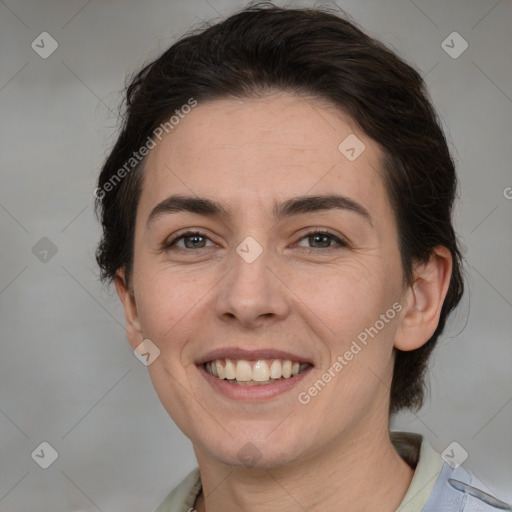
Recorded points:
(189, 240)
(322, 240)
(194, 241)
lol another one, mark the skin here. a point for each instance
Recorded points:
(296, 296)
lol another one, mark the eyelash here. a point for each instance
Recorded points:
(341, 243)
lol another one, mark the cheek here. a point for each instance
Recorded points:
(348, 299)
(168, 384)
(356, 309)
(168, 308)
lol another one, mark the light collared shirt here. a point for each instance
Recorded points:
(431, 488)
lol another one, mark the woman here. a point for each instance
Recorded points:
(277, 221)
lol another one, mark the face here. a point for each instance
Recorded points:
(258, 241)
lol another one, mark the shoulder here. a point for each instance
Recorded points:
(439, 484)
(459, 490)
(182, 497)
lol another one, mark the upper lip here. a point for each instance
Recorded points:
(251, 355)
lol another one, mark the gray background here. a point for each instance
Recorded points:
(67, 373)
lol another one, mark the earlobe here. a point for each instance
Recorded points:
(424, 300)
(125, 293)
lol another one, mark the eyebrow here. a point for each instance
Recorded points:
(294, 206)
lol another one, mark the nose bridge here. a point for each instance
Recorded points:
(250, 289)
(249, 263)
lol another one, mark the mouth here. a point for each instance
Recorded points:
(261, 372)
(253, 375)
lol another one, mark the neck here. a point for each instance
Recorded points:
(365, 473)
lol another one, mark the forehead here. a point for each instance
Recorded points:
(255, 151)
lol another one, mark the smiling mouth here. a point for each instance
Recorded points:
(254, 373)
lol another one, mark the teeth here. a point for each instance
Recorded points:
(275, 369)
(260, 371)
(229, 370)
(220, 369)
(243, 371)
(287, 369)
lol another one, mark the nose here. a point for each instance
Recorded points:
(252, 294)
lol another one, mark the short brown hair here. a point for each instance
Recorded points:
(318, 53)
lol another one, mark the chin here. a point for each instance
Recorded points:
(264, 451)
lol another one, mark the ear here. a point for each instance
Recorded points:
(133, 327)
(423, 300)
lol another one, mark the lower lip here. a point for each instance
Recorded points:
(252, 393)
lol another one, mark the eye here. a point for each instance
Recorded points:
(318, 239)
(322, 240)
(189, 240)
